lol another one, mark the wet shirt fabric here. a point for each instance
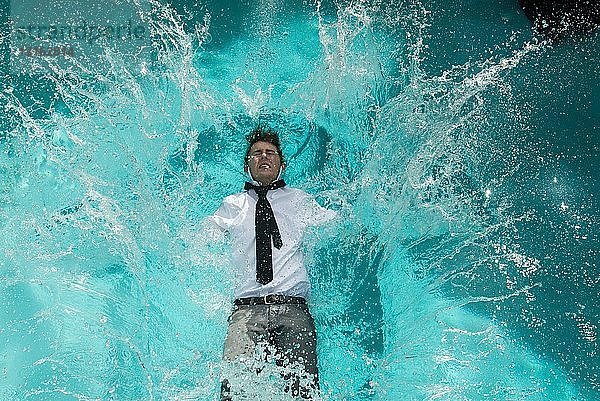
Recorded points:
(295, 211)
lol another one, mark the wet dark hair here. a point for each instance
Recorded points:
(264, 134)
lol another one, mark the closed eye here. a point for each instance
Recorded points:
(269, 153)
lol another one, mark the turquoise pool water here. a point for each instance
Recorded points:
(461, 149)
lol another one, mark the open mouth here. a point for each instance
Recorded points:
(264, 166)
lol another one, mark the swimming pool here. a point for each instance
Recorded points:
(460, 148)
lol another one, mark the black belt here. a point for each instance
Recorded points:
(273, 299)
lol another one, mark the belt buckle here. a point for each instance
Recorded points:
(266, 299)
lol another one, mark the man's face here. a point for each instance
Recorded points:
(264, 162)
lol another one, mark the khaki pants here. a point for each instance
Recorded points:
(283, 333)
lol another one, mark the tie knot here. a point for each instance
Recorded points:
(262, 191)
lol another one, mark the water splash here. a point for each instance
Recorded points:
(423, 288)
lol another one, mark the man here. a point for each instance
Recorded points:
(266, 224)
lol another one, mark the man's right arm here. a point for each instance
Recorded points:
(225, 216)
(212, 230)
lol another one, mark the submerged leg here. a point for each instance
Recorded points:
(295, 340)
(246, 332)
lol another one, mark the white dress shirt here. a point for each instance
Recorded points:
(295, 211)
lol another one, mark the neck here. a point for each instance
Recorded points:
(259, 182)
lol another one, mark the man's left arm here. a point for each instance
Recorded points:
(317, 214)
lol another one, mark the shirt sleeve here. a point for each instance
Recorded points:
(207, 240)
(317, 214)
(225, 216)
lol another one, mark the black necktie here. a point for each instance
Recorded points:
(265, 227)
